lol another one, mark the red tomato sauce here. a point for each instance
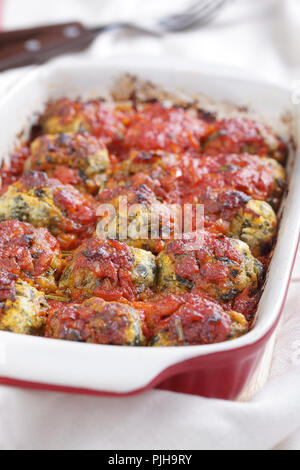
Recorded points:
(244, 135)
(201, 319)
(79, 209)
(172, 129)
(93, 321)
(99, 118)
(26, 251)
(10, 173)
(245, 173)
(110, 263)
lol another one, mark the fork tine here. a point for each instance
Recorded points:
(211, 10)
(208, 8)
(200, 15)
(178, 21)
(195, 7)
(211, 14)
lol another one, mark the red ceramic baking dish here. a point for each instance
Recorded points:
(219, 370)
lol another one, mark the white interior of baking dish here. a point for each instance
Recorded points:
(124, 369)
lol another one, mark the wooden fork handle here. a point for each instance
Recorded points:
(37, 45)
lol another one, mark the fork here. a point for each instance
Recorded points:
(37, 45)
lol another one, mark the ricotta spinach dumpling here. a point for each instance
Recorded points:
(46, 202)
(213, 264)
(96, 321)
(238, 135)
(23, 309)
(32, 254)
(77, 159)
(108, 269)
(184, 319)
(138, 217)
(237, 215)
(158, 127)
(97, 118)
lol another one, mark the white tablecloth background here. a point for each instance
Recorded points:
(260, 37)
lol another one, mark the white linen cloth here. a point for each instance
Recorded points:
(254, 36)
